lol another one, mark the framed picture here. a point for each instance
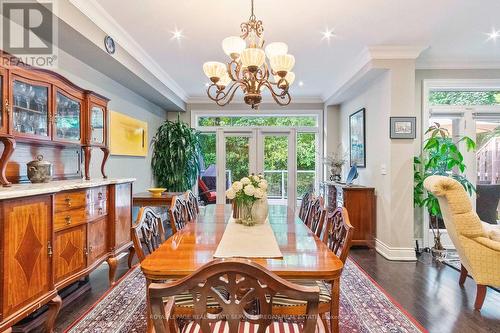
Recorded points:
(403, 127)
(357, 140)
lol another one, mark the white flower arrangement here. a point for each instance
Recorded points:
(248, 189)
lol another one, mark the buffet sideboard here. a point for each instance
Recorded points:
(360, 203)
(52, 235)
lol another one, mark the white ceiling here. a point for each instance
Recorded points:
(454, 31)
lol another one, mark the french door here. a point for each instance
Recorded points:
(271, 152)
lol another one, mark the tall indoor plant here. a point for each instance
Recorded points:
(176, 154)
(440, 156)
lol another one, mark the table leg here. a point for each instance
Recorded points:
(150, 326)
(335, 305)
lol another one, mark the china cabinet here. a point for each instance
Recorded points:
(47, 114)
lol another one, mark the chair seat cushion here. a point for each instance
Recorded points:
(186, 299)
(325, 295)
(246, 327)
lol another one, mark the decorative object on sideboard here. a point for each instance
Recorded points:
(156, 191)
(357, 138)
(39, 171)
(403, 127)
(353, 174)
(109, 44)
(335, 161)
(440, 156)
(176, 156)
(249, 70)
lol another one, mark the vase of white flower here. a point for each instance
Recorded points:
(244, 194)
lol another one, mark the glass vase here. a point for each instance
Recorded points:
(242, 213)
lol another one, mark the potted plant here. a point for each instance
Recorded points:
(440, 156)
(176, 153)
(335, 161)
(249, 198)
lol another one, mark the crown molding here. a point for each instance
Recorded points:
(203, 99)
(386, 52)
(457, 64)
(108, 24)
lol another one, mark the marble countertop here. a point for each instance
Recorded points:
(25, 190)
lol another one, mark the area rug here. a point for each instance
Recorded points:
(364, 307)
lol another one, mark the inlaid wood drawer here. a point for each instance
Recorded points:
(70, 218)
(97, 209)
(70, 200)
(98, 194)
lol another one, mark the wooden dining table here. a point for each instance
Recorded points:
(305, 256)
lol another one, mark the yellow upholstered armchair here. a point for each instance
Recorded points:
(477, 243)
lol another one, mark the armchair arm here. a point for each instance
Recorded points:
(489, 243)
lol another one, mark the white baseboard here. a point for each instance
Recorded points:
(395, 253)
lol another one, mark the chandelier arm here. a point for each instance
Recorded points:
(233, 66)
(283, 98)
(223, 96)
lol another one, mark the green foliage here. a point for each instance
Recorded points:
(176, 151)
(464, 97)
(440, 156)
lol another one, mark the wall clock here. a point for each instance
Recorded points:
(109, 44)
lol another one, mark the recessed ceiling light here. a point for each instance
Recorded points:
(176, 34)
(493, 35)
(328, 34)
(301, 83)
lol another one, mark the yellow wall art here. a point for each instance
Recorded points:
(128, 136)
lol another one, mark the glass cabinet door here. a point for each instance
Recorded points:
(67, 121)
(2, 97)
(30, 109)
(97, 125)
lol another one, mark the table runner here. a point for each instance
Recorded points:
(257, 241)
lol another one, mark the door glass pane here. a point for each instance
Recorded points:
(237, 158)
(276, 166)
(488, 170)
(208, 170)
(97, 124)
(306, 163)
(30, 108)
(67, 118)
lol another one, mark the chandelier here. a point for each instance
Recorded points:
(248, 69)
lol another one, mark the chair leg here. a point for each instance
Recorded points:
(480, 295)
(463, 275)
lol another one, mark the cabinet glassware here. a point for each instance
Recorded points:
(30, 110)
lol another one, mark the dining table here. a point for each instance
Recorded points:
(305, 256)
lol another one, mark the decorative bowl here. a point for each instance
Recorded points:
(157, 191)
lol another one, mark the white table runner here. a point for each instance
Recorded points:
(240, 241)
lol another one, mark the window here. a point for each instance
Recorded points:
(442, 97)
(257, 120)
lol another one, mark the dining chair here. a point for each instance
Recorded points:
(304, 205)
(337, 235)
(147, 232)
(178, 213)
(192, 206)
(247, 285)
(315, 217)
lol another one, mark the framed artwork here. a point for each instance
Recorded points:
(127, 136)
(357, 140)
(403, 127)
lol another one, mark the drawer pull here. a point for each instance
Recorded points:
(49, 249)
(68, 219)
(68, 202)
(85, 251)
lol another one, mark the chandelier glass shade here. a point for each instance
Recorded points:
(248, 69)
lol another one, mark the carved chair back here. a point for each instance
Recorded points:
(192, 206)
(234, 284)
(178, 213)
(313, 217)
(304, 205)
(147, 232)
(338, 233)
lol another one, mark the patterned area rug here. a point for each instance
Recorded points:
(364, 307)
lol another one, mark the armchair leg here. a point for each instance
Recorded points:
(480, 295)
(463, 275)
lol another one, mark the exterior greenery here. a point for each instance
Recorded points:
(176, 151)
(275, 150)
(440, 156)
(464, 97)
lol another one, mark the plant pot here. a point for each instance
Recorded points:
(260, 211)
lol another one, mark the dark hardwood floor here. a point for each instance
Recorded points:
(426, 289)
(429, 291)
